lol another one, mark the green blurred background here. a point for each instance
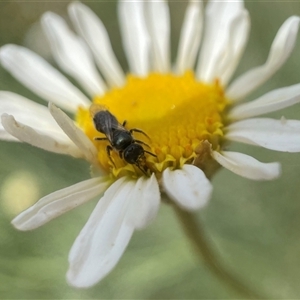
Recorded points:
(253, 226)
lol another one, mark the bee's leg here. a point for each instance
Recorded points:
(108, 150)
(139, 131)
(141, 142)
(143, 170)
(124, 123)
(150, 153)
(100, 139)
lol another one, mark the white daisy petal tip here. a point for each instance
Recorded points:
(11, 125)
(60, 202)
(157, 17)
(93, 31)
(6, 53)
(6, 117)
(188, 187)
(52, 107)
(74, 133)
(3, 52)
(135, 36)
(190, 37)
(16, 223)
(47, 16)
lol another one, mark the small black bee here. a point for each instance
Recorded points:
(120, 139)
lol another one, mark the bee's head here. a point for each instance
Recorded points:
(134, 154)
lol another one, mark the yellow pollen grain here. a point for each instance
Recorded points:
(177, 112)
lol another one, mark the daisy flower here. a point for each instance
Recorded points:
(190, 110)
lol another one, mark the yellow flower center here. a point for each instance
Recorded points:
(178, 114)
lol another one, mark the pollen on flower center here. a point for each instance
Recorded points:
(176, 112)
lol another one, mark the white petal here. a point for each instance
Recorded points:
(226, 30)
(74, 133)
(279, 135)
(281, 49)
(60, 202)
(29, 113)
(41, 138)
(103, 239)
(188, 187)
(40, 77)
(136, 40)
(145, 202)
(158, 24)
(190, 37)
(272, 101)
(71, 54)
(90, 27)
(247, 166)
(238, 37)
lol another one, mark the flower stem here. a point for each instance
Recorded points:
(195, 233)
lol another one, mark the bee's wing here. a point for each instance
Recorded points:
(109, 123)
(120, 127)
